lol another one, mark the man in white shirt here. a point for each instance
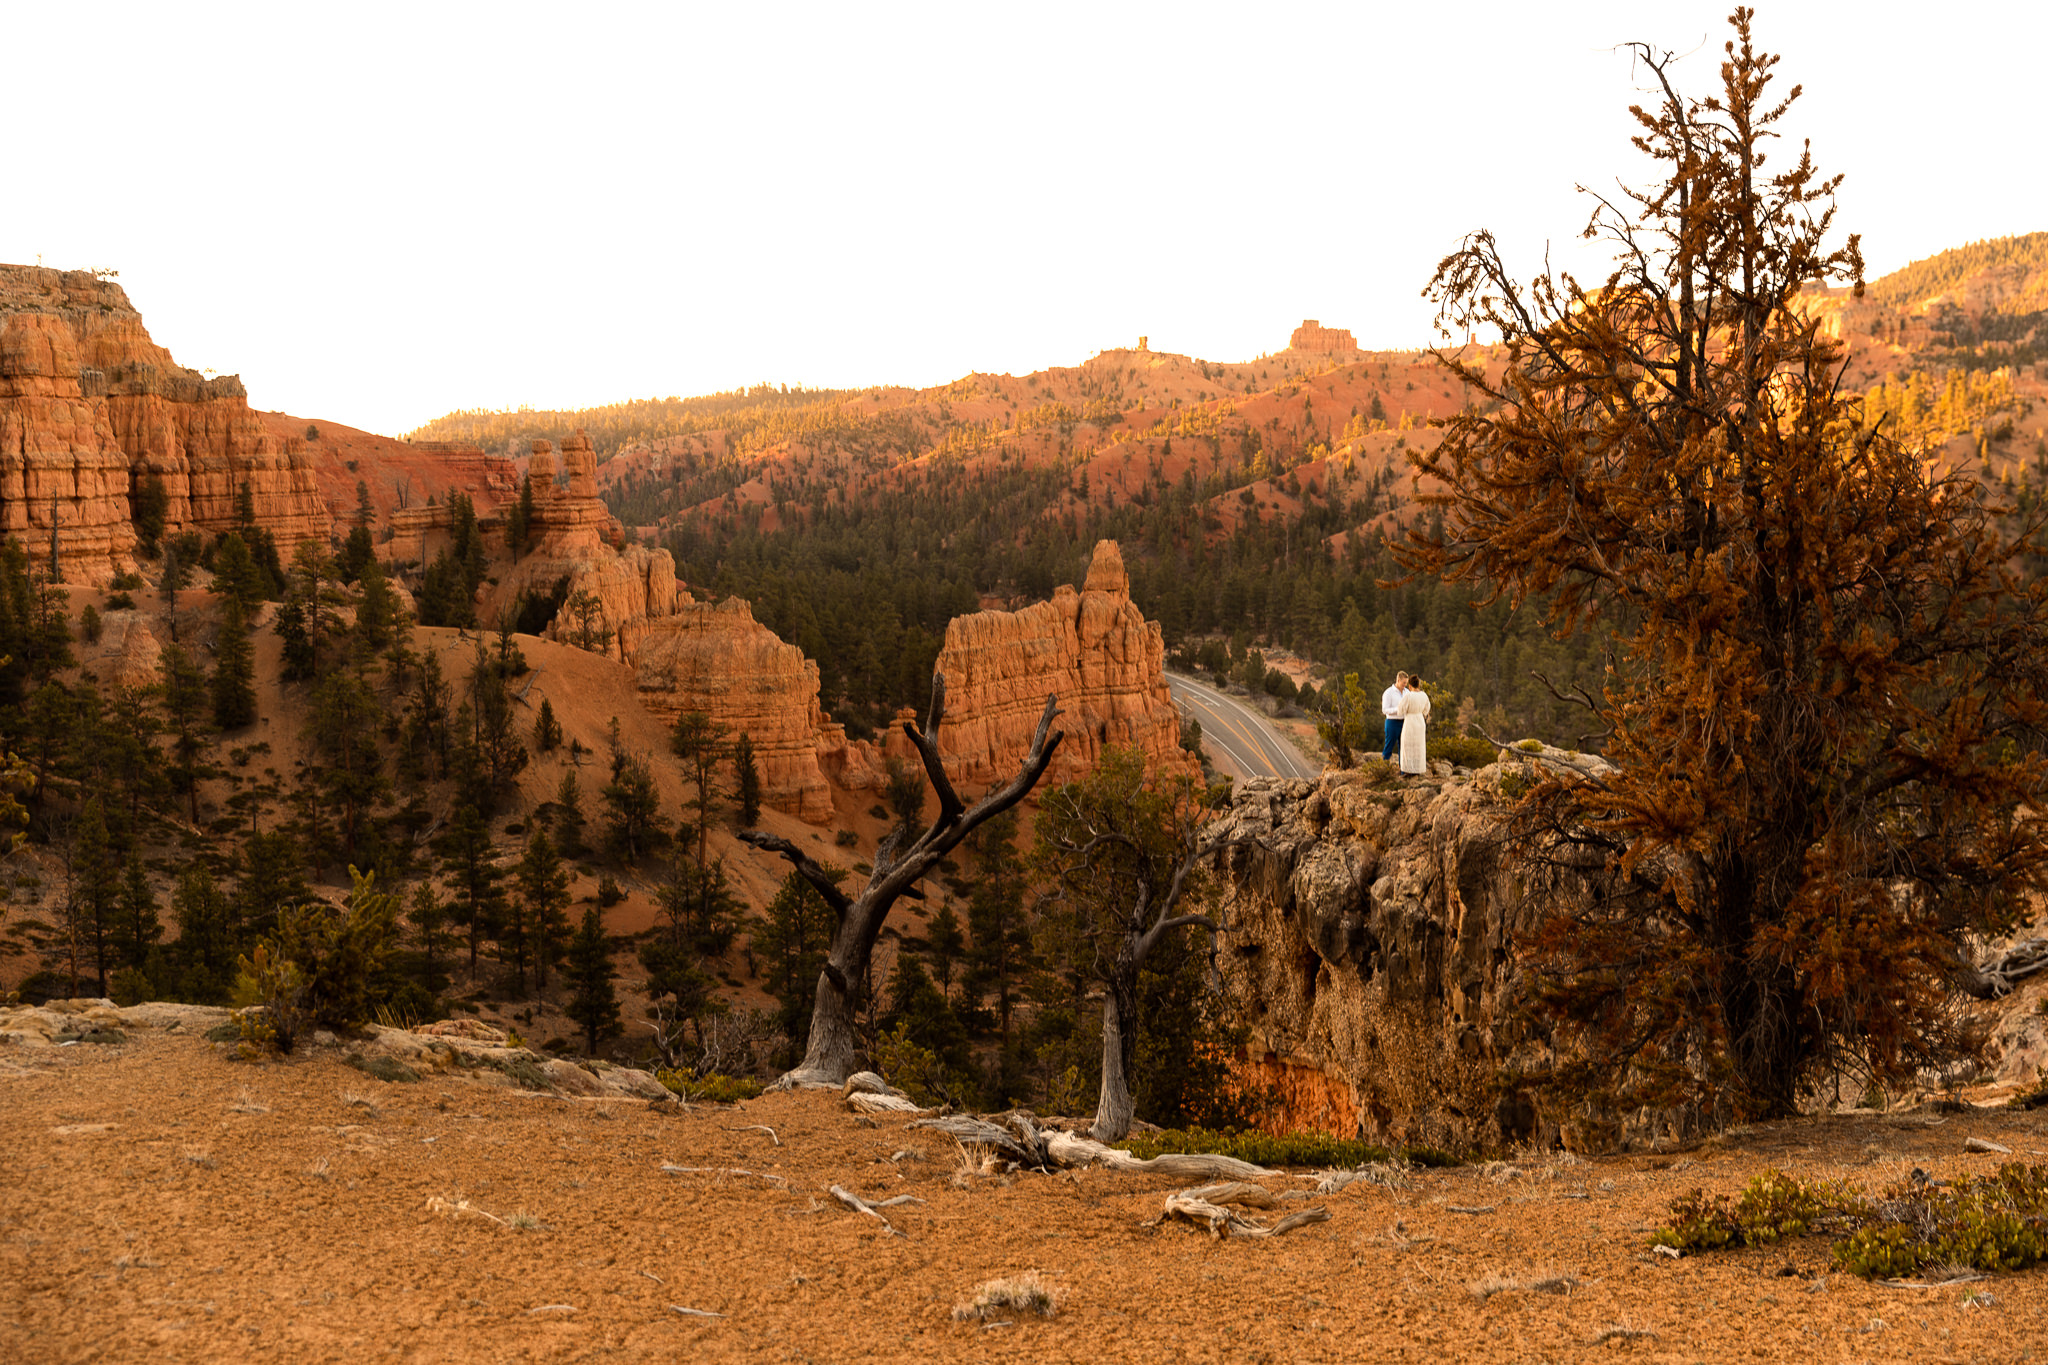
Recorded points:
(1390, 708)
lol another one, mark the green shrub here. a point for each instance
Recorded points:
(1266, 1149)
(383, 1068)
(1773, 1206)
(715, 1088)
(608, 893)
(1529, 746)
(1991, 1222)
(1463, 750)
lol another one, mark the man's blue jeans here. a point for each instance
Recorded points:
(1393, 738)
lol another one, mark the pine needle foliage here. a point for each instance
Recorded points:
(1825, 695)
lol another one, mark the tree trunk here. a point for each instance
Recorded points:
(1113, 1105)
(833, 1051)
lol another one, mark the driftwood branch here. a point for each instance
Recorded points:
(860, 1205)
(1226, 1222)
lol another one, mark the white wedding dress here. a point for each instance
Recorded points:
(1415, 732)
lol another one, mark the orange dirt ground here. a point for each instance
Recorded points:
(164, 1203)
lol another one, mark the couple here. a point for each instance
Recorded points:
(1406, 707)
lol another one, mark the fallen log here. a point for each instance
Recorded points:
(1071, 1149)
(1222, 1221)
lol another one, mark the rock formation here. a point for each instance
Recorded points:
(1313, 336)
(1094, 649)
(610, 590)
(63, 478)
(719, 660)
(90, 406)
(1370, 942)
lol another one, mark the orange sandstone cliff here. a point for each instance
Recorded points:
(1094, 649)
(90, 407)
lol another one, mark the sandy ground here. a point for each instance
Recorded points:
(162, 1203)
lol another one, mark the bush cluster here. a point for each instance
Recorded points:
(713, 1088)
(1992, 1222)
(1267, 1149)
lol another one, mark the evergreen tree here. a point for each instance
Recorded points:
(137, 927)
(272, 877)
(376, 611)
(948, 947)
(423, 742)
(790, 943)
(234, 672)
(746, 782)
(1000, 958)
(700, 743)
(494, 731)
(429, 920)
(204, 954)
(185, 704)
(346, 718)
(544, 902)
(236, 575)
(547, 731)
(150, 505)
(633, 804)
(568, 817)
(467, 869)
(95, 891)
(593, 1004)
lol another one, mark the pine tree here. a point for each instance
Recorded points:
(700, 743)
(790, 943)
(594, 1004)
(1000, 957)
(569, 817)
(235, 573)
(207, 942)
(185, 708)
(547, 731)
(346, 717)
(234, 672)
(544, 898)
(634, 804)
(95, 889)
(746, 782)
(136, 927)
(429, 920)
(467, 869)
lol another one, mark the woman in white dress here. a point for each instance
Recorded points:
(1415, 730)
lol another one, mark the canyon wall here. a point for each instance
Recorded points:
(716, 658)
(90, 406)
(1094, 649)
(1372, 925)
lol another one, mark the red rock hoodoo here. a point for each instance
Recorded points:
(90, 406)
(719, 660)
(1313, 336)
(575, 538)
(1094, 649)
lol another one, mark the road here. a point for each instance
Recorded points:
(1239, 740)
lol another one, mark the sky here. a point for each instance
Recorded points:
(380, 213)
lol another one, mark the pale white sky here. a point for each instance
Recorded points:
(377, 213)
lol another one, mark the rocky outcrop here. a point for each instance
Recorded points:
(90, 407)
(1313, 336)
(1371, 940)
(1093, 649)
(719, 660)
(611, 591)
(63, 477)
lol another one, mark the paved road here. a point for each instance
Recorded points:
(1238, 739)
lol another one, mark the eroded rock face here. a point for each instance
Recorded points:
(90, 406)
(612, 591)
(719, 660)
(1371, 940)
(1093, 649)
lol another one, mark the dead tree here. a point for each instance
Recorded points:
(831, 1056)
(1125, 852)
